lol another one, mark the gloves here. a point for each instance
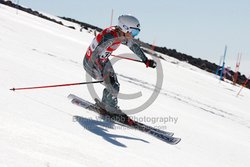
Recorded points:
(150, 63)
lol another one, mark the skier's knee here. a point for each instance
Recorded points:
(116, 87)
(114, 84)
(113, 88)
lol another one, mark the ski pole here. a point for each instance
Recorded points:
(52, 86)
(126, 58)
(244, 85)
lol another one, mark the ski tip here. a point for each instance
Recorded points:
(71, 96)
(13, 89)
(177, 140)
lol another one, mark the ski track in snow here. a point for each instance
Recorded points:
(55, 56)
(184, 99)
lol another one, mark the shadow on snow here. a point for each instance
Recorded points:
(101, 129)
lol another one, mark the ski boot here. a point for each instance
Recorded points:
(114, 113)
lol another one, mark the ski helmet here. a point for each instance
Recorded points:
(129, 24)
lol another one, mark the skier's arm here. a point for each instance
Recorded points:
(138, 51)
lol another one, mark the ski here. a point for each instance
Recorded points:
(88, 105)
(123, 121)
(142, 126)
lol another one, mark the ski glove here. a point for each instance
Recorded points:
(150, 63)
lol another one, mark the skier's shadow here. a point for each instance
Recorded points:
(100, 128)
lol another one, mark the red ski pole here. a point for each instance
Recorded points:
(244, 85)
(126, 58)
(52, 86)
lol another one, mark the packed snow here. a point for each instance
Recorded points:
(42, 128)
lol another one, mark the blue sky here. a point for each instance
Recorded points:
(200, 28)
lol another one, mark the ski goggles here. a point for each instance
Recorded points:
(134, 31)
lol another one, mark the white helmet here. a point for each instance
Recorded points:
(129, 24)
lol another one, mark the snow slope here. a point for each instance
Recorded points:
(42, 128)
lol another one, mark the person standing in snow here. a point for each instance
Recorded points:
(97, 64)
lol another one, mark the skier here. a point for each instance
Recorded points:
(97, 64)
